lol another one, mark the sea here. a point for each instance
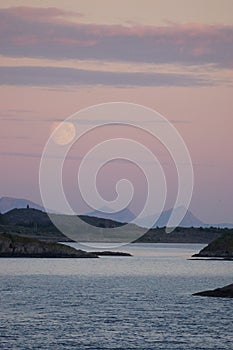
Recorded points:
(141, 302)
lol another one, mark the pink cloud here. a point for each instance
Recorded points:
(38, 13)
(46, 32)
(200, 51)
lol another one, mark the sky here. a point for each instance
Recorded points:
(176, 57)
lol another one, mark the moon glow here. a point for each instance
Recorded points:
(63, 133)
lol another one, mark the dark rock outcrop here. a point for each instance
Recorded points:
(18, 246)
(221, 247)
(182, 235)
(225, 292)
(110, 253)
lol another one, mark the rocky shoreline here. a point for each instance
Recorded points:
(110, 253)
(225, 292)
(18, 246)
(15, 246)
(220, 248)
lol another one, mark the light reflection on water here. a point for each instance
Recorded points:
(144, 302)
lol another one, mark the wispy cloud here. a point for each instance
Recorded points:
(49, 33)
(55, 76)
(38, 155)
(20, 154)
(12, 118)
(4, 137)
(95, 159)
(11, 110)
(39, 14)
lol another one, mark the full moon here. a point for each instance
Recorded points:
(63, 133)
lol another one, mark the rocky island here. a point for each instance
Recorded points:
(221, 247)
(15, 246)
(18, 246)
(225, 292)
(110, 253)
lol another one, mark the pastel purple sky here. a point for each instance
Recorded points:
(173, 56)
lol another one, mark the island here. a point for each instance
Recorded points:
(12, 245)
(225, 292)
(15, 246)
(110, 253)
(220, 248)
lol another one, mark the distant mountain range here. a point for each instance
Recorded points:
(189, 220)
(37, 224)
(123, 216)
(126, 215)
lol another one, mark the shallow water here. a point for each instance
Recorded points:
(144, 302)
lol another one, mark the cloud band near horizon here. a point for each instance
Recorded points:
(48, 33)
(64, 76)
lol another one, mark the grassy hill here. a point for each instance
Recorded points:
(36, 223)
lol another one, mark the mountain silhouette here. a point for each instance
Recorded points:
(126, 215)
(123, 216)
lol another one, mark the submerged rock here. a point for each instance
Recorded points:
(225, 292)
(12, 245)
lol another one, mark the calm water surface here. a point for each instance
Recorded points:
(144, 302)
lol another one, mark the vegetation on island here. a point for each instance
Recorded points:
(37, 224)
(12, 245)
(222, 247)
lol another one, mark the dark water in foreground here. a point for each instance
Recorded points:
(144, 302)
